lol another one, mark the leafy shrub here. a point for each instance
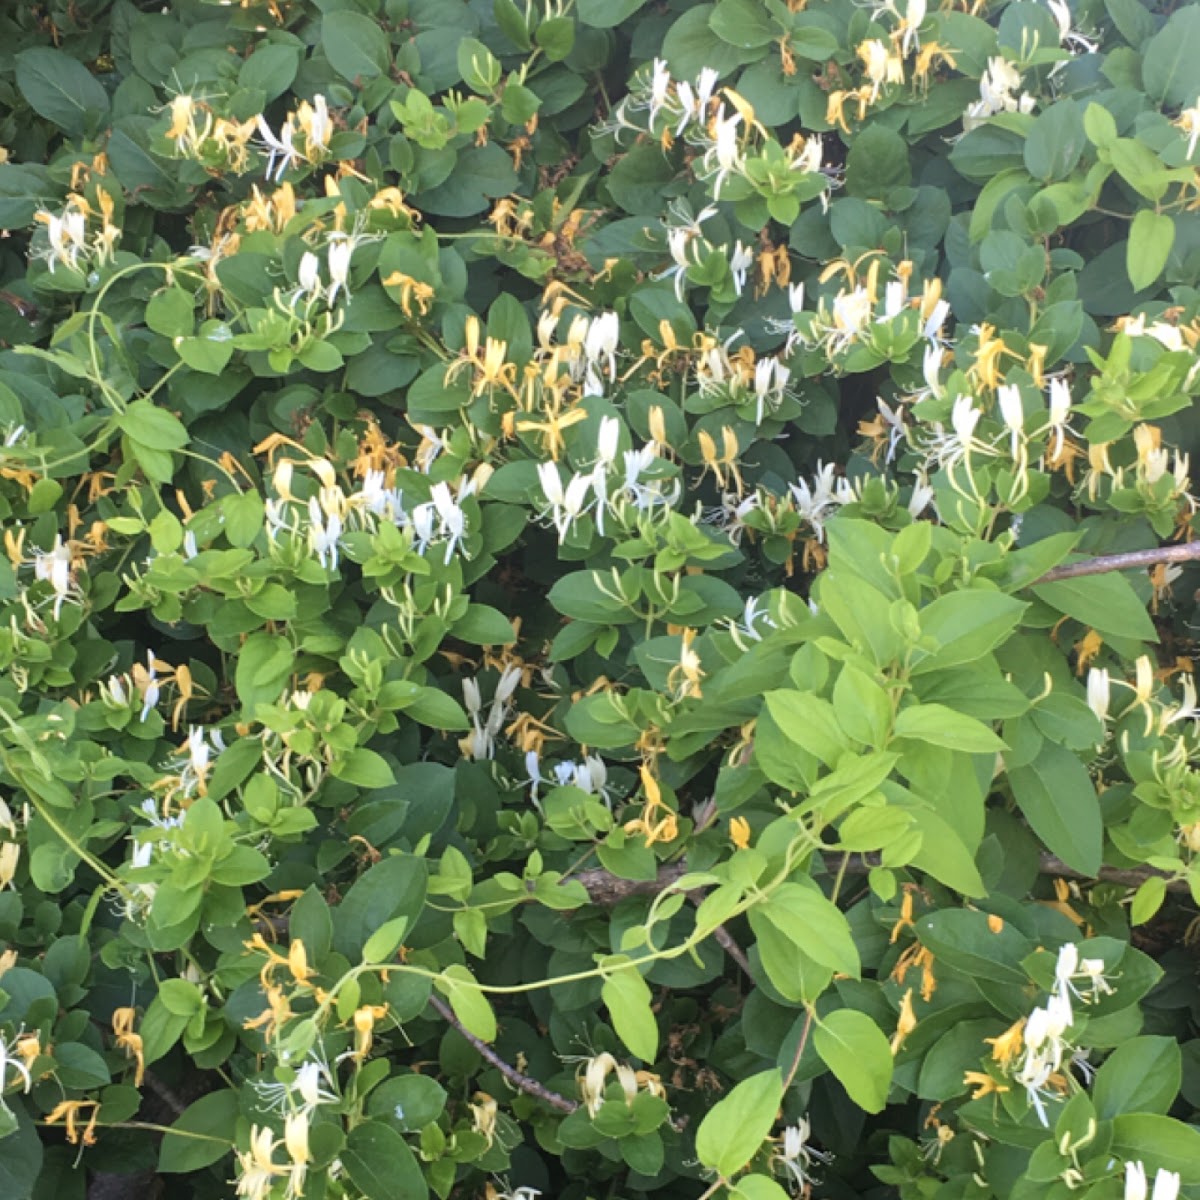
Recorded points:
(540, 646)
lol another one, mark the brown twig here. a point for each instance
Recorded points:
(725, 940)
(603, 887)
(1125, 876)
(530, 1087)
(1132, 559)
(606, 889)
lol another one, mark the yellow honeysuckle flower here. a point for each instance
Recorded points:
(1008, 1046)
(739, 832)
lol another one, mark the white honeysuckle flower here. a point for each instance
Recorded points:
(304, 1094)
(964, 417)
(11, 1061)
(816, 503)
(796, 1156)
(740, 262)
(566, 505)
(323, 534)
(1136, 1187)
(1099, 692)
(725, 150)
(1186, 710)
(550, 482)
(338, 256)
(1071, 38)
(936, 319)
(770, 383)
(687, 102)
(309, 275)
(600, 347)
(895, 298)
(660, 88)
(1012, 412)
(1065, 967)
(281, 150)
(706, 85)
(453, 519)
(319, 125)
(931, 365)
(922, 496)
(608, 441)
(851, 313)
(53, 566)
(509, 681)
(1166, 1185)
(536, 778)
(809, 159)
(1060, 410)
(471, 697)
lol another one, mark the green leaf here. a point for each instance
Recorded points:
(604, 14)
(356, 46)
(380, 1164)
(743, 23)
(1106, 603)
(392, 888)
(1056, 794)
(1056, 141)
(57, 86)
(21, 1163)
(470, 1005)
(965, 941)
(877, 162)
(151, 426)
(202, 1134)
(385, 941)
(1151, 237)
(556, 37)
(23, 190)
(483, 625)
(170, 312)
(364, 768)
(1147, 900)
(862, 707)
(735, 1127)
(434, 708)
(410, 1101)
(944, 854)
(815, 924)
(1099, 125)
(1171, 60)
(854, 1048)
(967, 625)
(628, 997)
(482, 174)
(1162, 1143)
(942, 726)
(758, 1187)
(270, 69)
(264, 664)
(1141, 1076)
(810, 722)
(79, 1066)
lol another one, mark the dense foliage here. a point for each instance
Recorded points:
(527, 660)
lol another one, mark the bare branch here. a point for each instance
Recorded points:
(1133, 559)
(530, 1087)
(604, 888)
